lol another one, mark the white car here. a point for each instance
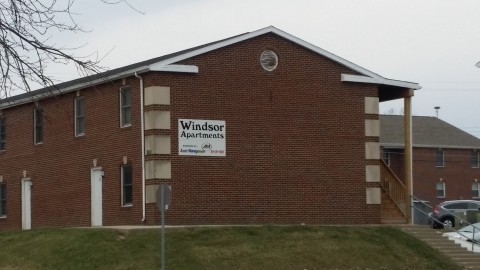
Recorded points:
(470, 233)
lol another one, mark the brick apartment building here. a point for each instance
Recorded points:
(446, 159)
(259, 128)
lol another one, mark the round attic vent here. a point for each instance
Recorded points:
(269, 60)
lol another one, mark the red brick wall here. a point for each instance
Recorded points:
(60, 167)
(295, 140)
(457, 174)
(295, 146)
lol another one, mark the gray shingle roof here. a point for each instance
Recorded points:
(427, 131)
(165, 62)
(103, 75)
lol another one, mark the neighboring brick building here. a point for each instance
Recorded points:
(289, 135)
(446, 160)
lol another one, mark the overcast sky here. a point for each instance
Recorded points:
(435, 43)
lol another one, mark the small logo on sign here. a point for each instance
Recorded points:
(206, 146)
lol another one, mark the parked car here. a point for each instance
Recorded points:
(443, 214)
(470, 233)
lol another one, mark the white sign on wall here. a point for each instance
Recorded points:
(201, 137)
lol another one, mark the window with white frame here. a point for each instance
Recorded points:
(475, 190)
(126, 182)
(38, 125)
(2, 133)
(475, 159)
(439, 158)
(440, 186)
(3, 200)
(79, 116)
(386, 156)
(125, 106)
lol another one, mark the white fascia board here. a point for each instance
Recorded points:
(278, 32)
(379, 80)
(174, 68)
(409, 85)
(74, 87)
(401, 146)
(445, 146)
(359, 79)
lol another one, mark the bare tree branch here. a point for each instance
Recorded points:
(26, 28)
(114, 2)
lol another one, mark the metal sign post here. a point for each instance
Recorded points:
(164, 199)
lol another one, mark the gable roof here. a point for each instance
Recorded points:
(427, 131)
(166, 63)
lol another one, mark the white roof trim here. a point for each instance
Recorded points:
(276, 31)
(173, 68)
(401, 145)
(381, 80)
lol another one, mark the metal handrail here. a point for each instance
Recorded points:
(462, 221)
(397, 191)
(394, 187)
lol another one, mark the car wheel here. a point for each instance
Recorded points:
(448, 223)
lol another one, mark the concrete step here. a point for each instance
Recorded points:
(464, 258)
(439, 240)
(468, 265)
(454, 251)
(435, 239)
(467, 260)
(449, 247)
(432, 234)
(461, 254)
(446, 246)
(427, 235)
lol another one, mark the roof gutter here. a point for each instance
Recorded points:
(74, 87)
(401, 146)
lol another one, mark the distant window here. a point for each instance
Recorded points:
(440, 189)
(439, 158)
(475, 160)
(2, 133)
(454, 206)
(79, 116)
(38, 125)
(386, 156)
(127, 196)
(474, 205)
(475, 190)
(3, 199)
(125, 106)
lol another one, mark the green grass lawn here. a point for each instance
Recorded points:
(268, 247)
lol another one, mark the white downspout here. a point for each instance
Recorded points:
(143, 145)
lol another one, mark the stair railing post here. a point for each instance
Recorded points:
(408, 152)
(473, 238)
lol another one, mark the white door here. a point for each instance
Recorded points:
(96, 199)
(26, 204)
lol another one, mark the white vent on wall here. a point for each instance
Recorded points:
(269, 60)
